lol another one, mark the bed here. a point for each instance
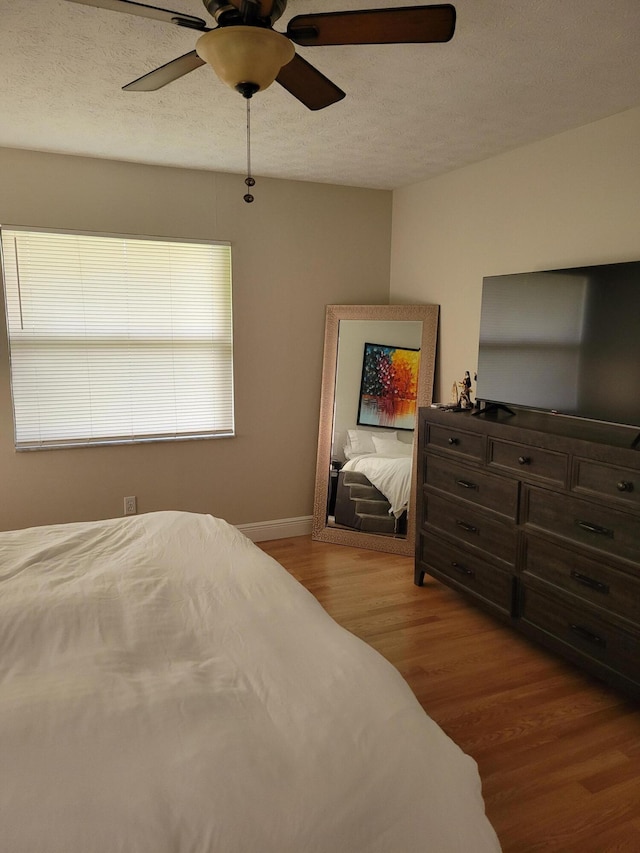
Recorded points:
(374, 485)
(166, 687)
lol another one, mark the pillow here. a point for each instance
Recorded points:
(361, 440)
(393, 447)
(349, 453)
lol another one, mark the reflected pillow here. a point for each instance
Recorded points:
(361, 440)
(351, 454)
(391, 447)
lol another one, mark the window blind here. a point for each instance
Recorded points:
(117, 339)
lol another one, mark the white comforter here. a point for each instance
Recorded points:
(391, 475)
(166, 687)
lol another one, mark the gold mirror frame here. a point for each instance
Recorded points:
(428, 314)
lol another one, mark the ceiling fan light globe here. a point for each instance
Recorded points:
(241, 55)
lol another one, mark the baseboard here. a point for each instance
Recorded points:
(281, 528)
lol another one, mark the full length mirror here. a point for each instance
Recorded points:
(378, 370)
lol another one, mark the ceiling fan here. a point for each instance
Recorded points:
(248, 54)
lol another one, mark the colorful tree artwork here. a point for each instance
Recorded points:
(389, 386)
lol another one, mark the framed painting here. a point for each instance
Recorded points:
(389, 386)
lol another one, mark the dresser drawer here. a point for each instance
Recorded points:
(602, 528)
(456, 441)
(466, 571)
(529, 462)
(607, 481)
(585, 629)
(499, 494)
(475, 529)
(591, 580)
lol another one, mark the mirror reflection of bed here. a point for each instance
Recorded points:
(365, 476)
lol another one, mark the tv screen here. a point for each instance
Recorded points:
(563, 340)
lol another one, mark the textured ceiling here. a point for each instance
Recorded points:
(516, 71)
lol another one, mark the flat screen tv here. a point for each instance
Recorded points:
(565, 340)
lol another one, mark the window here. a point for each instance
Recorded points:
(117, 339)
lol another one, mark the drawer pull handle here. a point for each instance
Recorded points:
(590, 582)
(588, 635)
(595, 528)
(524, 460)
(624, 486)
(463, 569)
(468, 527)
(453, 440)
(466, 484)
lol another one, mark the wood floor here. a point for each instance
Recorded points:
(558, 752)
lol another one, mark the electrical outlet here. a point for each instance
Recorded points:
(130, 505)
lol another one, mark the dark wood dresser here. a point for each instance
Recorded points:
(537, 518)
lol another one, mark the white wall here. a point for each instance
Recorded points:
(570, 200)
(298, 248)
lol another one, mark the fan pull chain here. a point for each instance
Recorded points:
(249, 180)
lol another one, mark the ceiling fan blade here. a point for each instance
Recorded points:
(166, 73)
(308, 85)
(403, 25)
(166, 15)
